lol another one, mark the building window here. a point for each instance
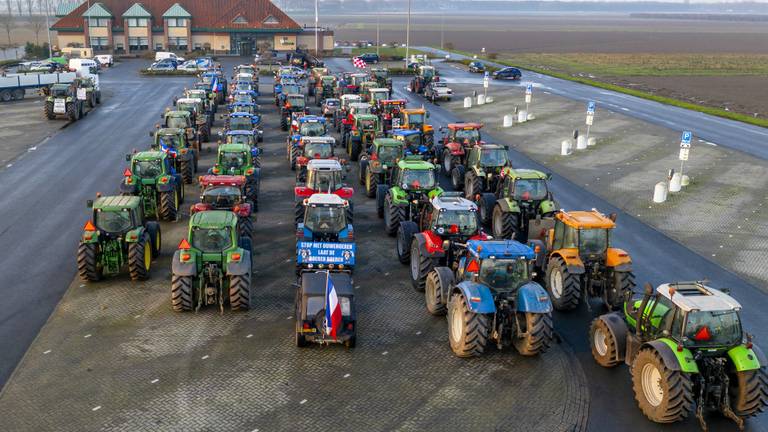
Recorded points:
(239, 20)
(271, 20)
(198, 46)
(98, 42)
(179, 43)
(137, 22)
(177, 22)
(138, 43)
(98, 22)
(158, 47)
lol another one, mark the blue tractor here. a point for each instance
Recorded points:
(246, 122)
(413, 144)
(492, 297)
(242, 106)
(243, 96)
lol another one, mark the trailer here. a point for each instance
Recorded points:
(14, 86)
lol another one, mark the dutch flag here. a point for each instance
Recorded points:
(332, 308)
(215, 84)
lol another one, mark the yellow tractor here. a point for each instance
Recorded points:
(574, 253)
(416, 118)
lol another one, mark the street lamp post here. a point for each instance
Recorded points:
(48, 28)
(317, 53)
(408, 34)
(442, 30)
(378, 19)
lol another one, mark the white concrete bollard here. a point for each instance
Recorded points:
(660, 192)
(565, 148)
(581, 142)
(675, 184)
(467, 102)
(531, 117)
(685, 181)
(481, 99)
(488, 99)
(509, 120)
(522, 116)
(592, 142)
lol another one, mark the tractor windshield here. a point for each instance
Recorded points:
(243, 98)
(296, 101)
(147, 169)
(318, 150)
(59, 91)
(368, 125)
(456, 222)
(380, 73)
(377, 96)
(412, 141)
(233, 160)
(169, 141)
(471, 135)
(325, 219)
(713, 328)
(184, 106)
(493, 157)
(530, 189)
(593, 241)
(211, 239)
(114, 221)
(244, 86)
(312, 129)
(504, 273)
(389, 153)
(240, 123)
(324, 181)
(240, 139)
(418, 179)
(222, 197)
(416, 121)
(176, 122)
(427, 72)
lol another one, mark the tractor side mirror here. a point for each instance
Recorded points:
(128, 157)
(89, 203)
(506, 147)
(613, 217)
(162, 116)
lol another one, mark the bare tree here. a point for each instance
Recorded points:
(20, 6)
(7, 21)
(30, 6)
(37, 22)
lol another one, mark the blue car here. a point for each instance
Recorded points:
(508, 73)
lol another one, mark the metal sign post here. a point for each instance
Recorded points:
(590, 116)
(528, 96)
(486, 83)
(685, 148)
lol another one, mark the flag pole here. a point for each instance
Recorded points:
(327, 277)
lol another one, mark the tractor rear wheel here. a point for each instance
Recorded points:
(749, 392)
(537, 328)
(438, 285)
(155, 237)
(448, 162)
(623, 283)
(603, 343)
(381, 192)
(187, 171)
(240, 292)
(405, 233)
(393, 215)
(298, 212)
(472, 185)
(564, 288)
(355, 147)
(350, 213)
(72, 111)
(49, 111)
(245, 227)
(663, 395)
(362, 169)
(88, 262)
(182, 293)
(421, 266)
(371, 182)
(457, 177)
(91, 100)
(140, 258)
(485, 206)
(283, 123)
(169, 205)
(467, 331)
(504, 225)
(293, 155)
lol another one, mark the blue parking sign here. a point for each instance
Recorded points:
(529, 89)
(591, 107)
(485, 75)
(687, 137)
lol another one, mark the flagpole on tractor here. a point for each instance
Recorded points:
(408, 34)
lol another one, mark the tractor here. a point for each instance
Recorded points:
(365, 128)
(353, 83)
(389, 113)
(573, 251)
(413, 185)
(203, 122)
(242, 97)
(90, 84)
(365, 90)
(311, 297)
(182, 120)
(455, 145)
(492, 297)
(329, 108)
(245, 122)
(62, 100)
(424, 76)
(227, 193)
(152, 177)
(415, 118)
(209, 104)
(325, 219)
(486, 166)
(381, 76)
(306, 126)
(312, 148)
(523, 196)
(240, 159)
(326, 89)
(377, 94)
(118, 236)
(294, 103)
(285, 90)
(323, 176)
(686, 350)
(439, 237)
(377, 162)
(246, 107)
(217, 84)
(412, 142)
(314, 83)
(341, 118)
(212, 265)
(184, 158)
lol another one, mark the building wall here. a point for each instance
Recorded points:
(66, 39)
(137, 31)
(98, 31)
(177, 31)
(285, 42)
(119, 39)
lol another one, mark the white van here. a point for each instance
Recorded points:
(76, 64)
(106, 60)
(161, 55)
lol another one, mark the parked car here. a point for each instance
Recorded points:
(161, 55)
(76, 64)
(508, 73)
(105, 59)
(162, 66)
(189, 65)
(476, 67)
(438, 90)
(369, 57)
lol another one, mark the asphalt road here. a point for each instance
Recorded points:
(42, 200)
(749, 139)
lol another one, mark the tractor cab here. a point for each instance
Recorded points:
(61, 91)
(348, 99)
(312, 126)
(414, 175)
(324, 176)
(365, 90)
(354, 81)
(180, 120)
(381, 76)
(193, 105)
(364, 129)
(502, 266)
(317, 147)
(389, 112)
(247, 69)
(325, 220)
(450, 216)
(169, 138)
(464, 134)
(377, 95)
(153, 177)
(416, 118)
(242, 121)
(115, 216)
(523, 196)
(377, 161)
(235, 159)
(246, 137)
(248, 97)
(222, 192)
(411, 140)
(246, 107)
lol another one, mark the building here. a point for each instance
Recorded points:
(239, 27)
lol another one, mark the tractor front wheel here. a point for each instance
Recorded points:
(140, 258)
(473, 184)
(467, 331)
(421, 266)
(49, 111)
(663, 395)
(72, 111)
(537, 333)
(393, 215)
(245, 227)
(169, 205)
(88, 262)
(485, 205)
(155, 237)
(504, 225)
(182, 293)
(405, 233)
(381, 192)
(749, 392)
(564, 288)
(438, 285)
(371, 183)
(447, 162)
(362, 169)
(603, 343)
(355, 147)
(457, 177)
(240, 292)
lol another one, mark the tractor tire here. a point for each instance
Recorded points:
(447, 162)
(663, 395)
(603, 343)
(749, 392)
(182, 293)
(98, 97)
(355, 147)
(19, 94)
(623, 282)
(88, 262)
(393, 215)
(405, 233)
(538, 329)
(473, 185)
(245, 227)
(91, 101)
(81, 111)
(283, 123)
(467, 331)
(371, 183)
(485, 206)
(421, 266)
(564, 288)
(49, 111)
(350, 213)
(240, 292)
(505, 225)
(252, 187)
(381, 192)
(169, 205)
(180, 190)
(361, 170)
(293, 155)
(155, 237)
(72, 111)
(140, 258)
(439, 281)
(298, 212)
(187, 171)
(457, 177)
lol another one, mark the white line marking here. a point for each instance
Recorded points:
(87, 336)
(249, 336)
(204, 357)
(624, 109)
(418, 332)
(303, 401)
(9, 165)
(385, 353)
(346, 375)
(47, 352)
(154, 381)
(82, 286)
(288, 317)
(96, 408)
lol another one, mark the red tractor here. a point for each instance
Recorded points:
(323, 176)
(456, 143)
(388, 111)
(227, 192)
(313, 148)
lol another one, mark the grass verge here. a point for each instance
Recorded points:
(385, 53)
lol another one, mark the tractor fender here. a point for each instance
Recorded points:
(547, 206)
(479, 297)
(187, 268)
(128, 189)
(618, 259)
(745, 359)
(137, 233)
(430, 244)
(618, 328)
(531, 297)
(437, 191)
(673, 359)
(241, 267)
(164, 187)
(508, 206)
(572, 260)
(398, 196)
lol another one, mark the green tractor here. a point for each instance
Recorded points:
(413, 184)
(61, 100)
(200, 117)
(239, 159)
(152, 177)
(174, 143)
(377, 162)
(326, 90)
(523, 195)
(686, 351)
(92, 91)
(118, 236)
(365, 128)
(180, 119)
(212, 265)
